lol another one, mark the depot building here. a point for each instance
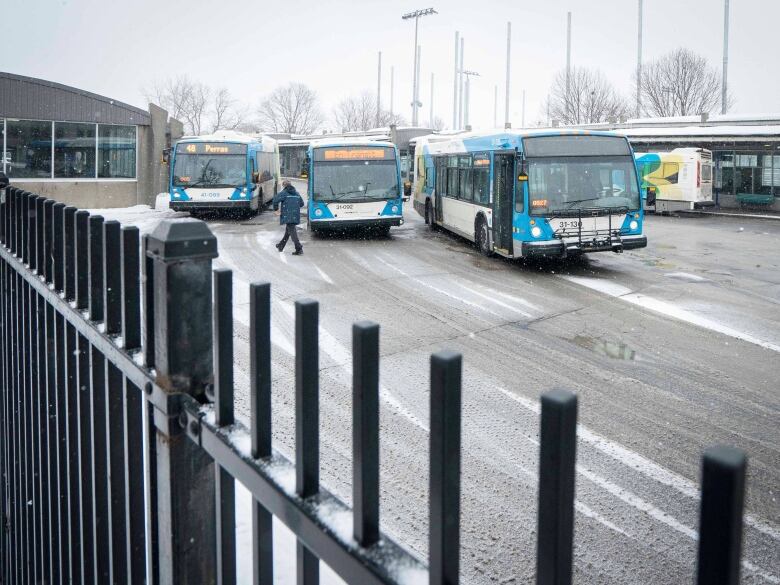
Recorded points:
(745, 152)
(81, 148)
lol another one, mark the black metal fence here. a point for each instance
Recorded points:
(119, 448)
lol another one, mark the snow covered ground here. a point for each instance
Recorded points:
(670, 349)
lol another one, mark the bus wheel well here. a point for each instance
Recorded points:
(482, 235)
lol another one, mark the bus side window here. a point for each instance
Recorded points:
(671, 172)
(452, 176)
(429, 177)
(441, 174)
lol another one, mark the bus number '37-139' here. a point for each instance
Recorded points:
(532, 193)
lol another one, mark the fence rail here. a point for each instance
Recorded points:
(119, 448)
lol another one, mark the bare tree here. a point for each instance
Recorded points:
(197, 105)
(358, 113)
(195, 108)
(588, 99)
(171, 94)
(293, 109)
(437, 124)
(226, 113)
(680, 83)
(388, 118)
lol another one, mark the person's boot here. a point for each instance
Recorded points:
(279, 247)
(298, 252)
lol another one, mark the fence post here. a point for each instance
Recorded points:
(181, 252)
(556, 488)
(720, 527)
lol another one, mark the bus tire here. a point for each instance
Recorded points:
(428, 213)
(482, 237)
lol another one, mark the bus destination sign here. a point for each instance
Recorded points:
(210, 148)
(352, 153)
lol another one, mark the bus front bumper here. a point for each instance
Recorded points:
(560, 249)
(203, 205)
(346, 224)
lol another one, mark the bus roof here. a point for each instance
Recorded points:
(267, 142)
(325, 142)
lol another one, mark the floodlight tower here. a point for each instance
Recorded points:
(416, 16)
(468, 75)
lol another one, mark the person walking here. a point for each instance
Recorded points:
(289, 216)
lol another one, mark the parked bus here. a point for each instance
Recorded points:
(354, 183)
(224, 171)
(676, 180)
(532, 193)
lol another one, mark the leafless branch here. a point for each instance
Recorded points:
(588, 99)
(293, 109)
(680, 83)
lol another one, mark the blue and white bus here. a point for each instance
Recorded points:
(525, 193)
(223, 171)
(354, 183)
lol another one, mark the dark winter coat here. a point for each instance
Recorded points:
(291, 202)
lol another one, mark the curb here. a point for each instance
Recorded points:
(726, 214)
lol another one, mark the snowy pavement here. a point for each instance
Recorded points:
(671, 349)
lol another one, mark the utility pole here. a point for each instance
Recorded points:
(522, 122)
(392, 88)
(568, 61)
(724, 92)
(379, 90)
(468, 75)
(639, 66)
(417, 94)
(455, 89)
(460, 90)
(416, 67)
(495, 106)
(430, 119)
(508, 58)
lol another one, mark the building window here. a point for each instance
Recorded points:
(116, 152)
(28, 149)
(74, 151)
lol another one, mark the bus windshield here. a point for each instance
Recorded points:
(196, 170)
(355, 180)
(569, 183)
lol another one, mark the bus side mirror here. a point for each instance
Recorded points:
(166, 156)
(255, 177)
(3, 181)
(522, 169)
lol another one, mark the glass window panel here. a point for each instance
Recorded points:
(482, 186)
(452, 182)
(74, 150)
(116, 152)
(465, 184)
(28, 149)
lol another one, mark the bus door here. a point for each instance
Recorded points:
(441, 182)
(503, 192)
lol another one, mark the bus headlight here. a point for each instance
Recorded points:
(176, 196)
(633, 225)
(536, 231)
(394, 209)
(318, 213)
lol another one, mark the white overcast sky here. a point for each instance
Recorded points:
(116, 48)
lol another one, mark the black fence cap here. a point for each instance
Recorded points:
(182, 239)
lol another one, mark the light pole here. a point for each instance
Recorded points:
(416, 16)
(468, 75)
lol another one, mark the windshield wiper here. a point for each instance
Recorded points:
(570, 203)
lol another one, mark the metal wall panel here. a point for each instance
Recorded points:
(37, 99)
